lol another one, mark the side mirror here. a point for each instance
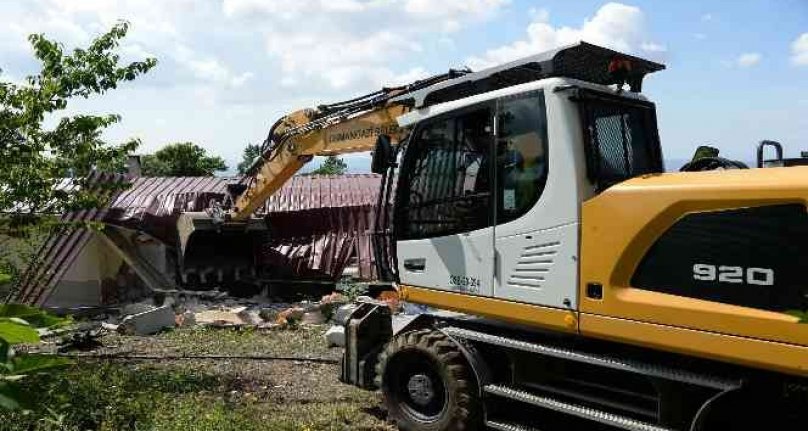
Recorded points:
(383, 155)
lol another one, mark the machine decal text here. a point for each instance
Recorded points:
(733, 274)
(465, 283)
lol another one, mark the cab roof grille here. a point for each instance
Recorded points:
(582, 61)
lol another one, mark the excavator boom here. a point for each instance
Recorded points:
(344, 127)
(355, 134)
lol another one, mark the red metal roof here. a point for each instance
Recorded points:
(317, 222)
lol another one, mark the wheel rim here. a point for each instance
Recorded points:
(418, 387)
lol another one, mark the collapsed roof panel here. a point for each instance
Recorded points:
(316, 224)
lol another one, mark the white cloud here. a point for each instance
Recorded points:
(707, 17)
(652, 47)
(748, 59)
(614, 25)
(799, 50)
(352, 44)
(453, 8)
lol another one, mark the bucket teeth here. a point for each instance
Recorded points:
(212, 251)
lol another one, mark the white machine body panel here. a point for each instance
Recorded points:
(458, 263)
(532, 258)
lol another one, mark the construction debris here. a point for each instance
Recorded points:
(314, 317)
(335, 336)
(148, 322)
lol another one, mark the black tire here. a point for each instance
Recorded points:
(427, 384)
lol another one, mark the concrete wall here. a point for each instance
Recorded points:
(81, 285)
(99, 276)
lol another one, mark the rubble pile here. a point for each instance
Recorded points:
(220, 311)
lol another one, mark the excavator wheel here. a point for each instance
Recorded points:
(427, 384)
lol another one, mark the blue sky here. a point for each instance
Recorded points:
(737, 70)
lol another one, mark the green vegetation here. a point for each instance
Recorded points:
(250, 153)
(332, 165)
(182, 159)
(35, 159)
(203, 394)
(18, 325)
(44, 171)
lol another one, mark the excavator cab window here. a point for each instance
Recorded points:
(620, 136)
(445, 186)
(521, 154)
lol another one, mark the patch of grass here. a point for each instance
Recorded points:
(302, 340)
(106, 396)
(202, 394)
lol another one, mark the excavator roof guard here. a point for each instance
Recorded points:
(582, 61)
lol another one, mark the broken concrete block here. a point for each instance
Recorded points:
(218, 318)
(335, 336)
(109, 326)
(249, 317)
(186, 319)
(314, 317)
(148, 322)
(136, 308)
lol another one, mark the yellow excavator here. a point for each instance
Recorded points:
(569, 282)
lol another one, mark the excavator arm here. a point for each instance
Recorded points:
(344, 127)
(356, 133)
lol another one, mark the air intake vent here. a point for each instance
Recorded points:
(533, 265)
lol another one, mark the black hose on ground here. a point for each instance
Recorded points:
(141, 357)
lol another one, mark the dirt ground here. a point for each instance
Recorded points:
(195, 394)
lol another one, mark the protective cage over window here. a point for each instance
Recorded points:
(447, 188)
(620, 138)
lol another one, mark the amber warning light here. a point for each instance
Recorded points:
(620, 70)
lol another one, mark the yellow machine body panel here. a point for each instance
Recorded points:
(508, 311)
(349, 135)
(620, 225)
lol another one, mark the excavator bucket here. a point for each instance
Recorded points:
(214, 252)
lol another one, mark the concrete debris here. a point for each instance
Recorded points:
(250, 317)
(290, 316)
(109, 326)
(189, 310)
(390, 297)
(220, 318)
(313, 317)
(186, 319)
(148, 322)
(136, 308)
(269, 314)
(335, 336)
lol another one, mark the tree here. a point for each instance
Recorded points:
(33, 159)
(44, 171)
(250, 153)
(332, 165)
(182, 159)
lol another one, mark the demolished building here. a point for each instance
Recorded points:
(318, 226)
